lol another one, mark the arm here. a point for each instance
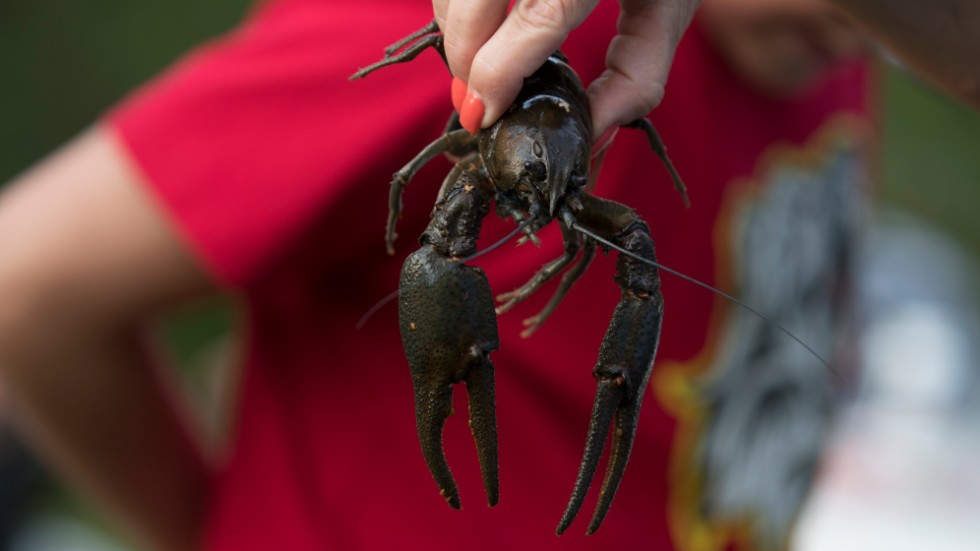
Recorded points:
(87, 256)
(940, 39)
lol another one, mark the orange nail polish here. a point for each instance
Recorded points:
(458, 93)
(604, 140)
(471, 113)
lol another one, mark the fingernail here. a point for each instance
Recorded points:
(604, 140)
(458, 93)
(471, 113)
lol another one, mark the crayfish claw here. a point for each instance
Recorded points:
(445, 346)
(607, 399)
(622, 372)
(433, 405)
(483, 425)
(619, 453)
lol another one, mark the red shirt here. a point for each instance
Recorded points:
(275, 170)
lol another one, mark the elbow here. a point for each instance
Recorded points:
(15, 313)
(21, 324)
(37, 322)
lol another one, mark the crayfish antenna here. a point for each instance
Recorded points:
(585, 231)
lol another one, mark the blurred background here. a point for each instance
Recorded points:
(901, 469)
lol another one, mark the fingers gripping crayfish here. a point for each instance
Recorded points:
(534, 166)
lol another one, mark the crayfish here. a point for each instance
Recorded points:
(534, 166)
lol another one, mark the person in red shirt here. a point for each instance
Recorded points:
(253, 166)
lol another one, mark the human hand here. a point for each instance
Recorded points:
(490, 51)
(780, 46)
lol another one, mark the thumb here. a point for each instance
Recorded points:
(638, 60)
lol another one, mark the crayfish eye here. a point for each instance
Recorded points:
(535, 170)
(579, 180)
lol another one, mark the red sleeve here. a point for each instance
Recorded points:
(250, 137)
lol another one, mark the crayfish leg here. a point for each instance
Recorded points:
(658, 147)
(427, 36)
(430, 28)
(457, 142)
(567, 281)
(449, 329)
(542, 276)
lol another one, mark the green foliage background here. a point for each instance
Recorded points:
(62, 62)
(931, 157)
